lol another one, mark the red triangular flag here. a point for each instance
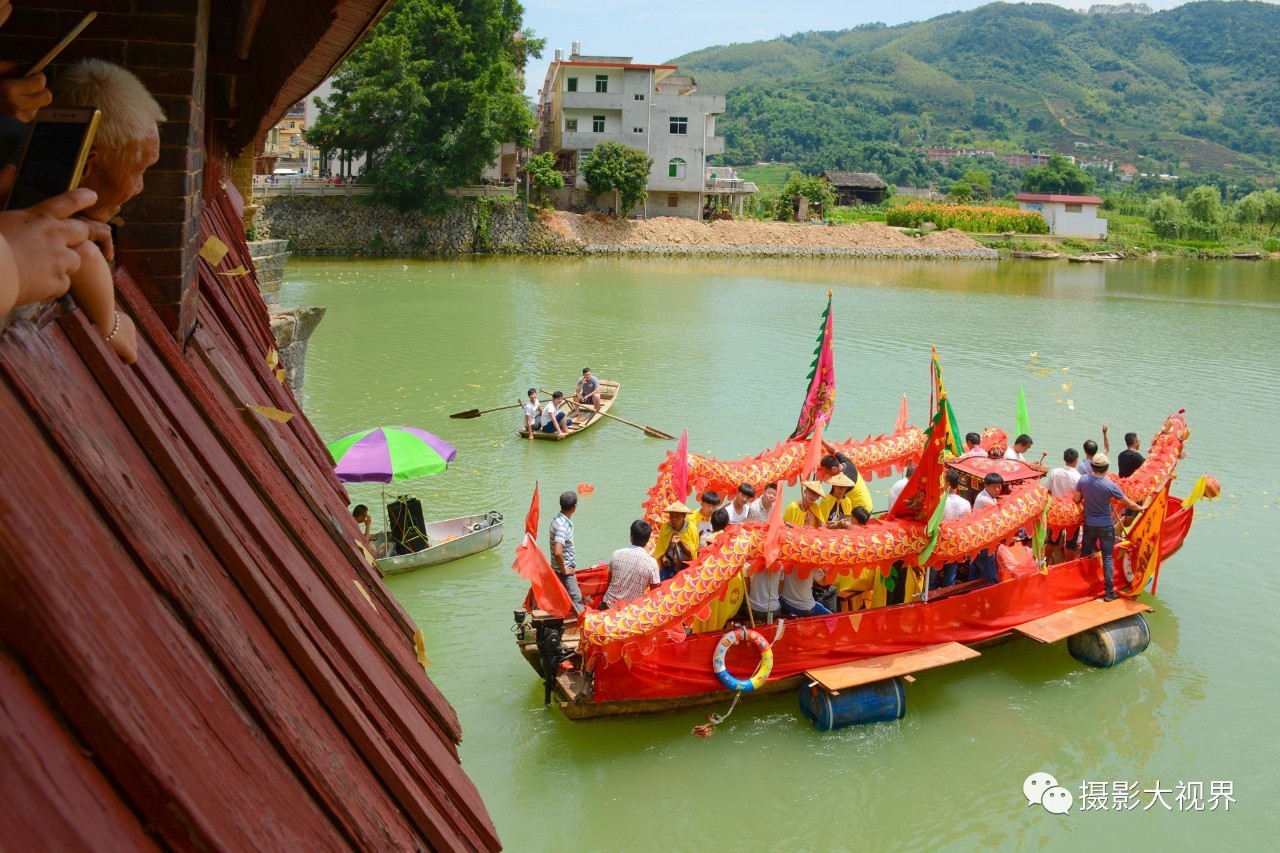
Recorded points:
(813, 456)
(901, 423)
(531, 520)
(531, 564)
(770, 549)
(680, 468)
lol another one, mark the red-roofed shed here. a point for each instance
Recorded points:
(1067, 215)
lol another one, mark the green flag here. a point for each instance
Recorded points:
(1023, 424)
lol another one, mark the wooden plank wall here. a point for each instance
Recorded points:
(194, 651)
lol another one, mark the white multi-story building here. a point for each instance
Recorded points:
(587, 100)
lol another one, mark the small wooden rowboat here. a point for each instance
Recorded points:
(1038, 256)
(582, 416)
(449, 540)
(1095, 257)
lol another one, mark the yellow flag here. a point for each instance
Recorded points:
(213, 251)
(420, 649)
(1197, 491)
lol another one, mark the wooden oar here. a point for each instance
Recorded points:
(647, 430)
(475, 413)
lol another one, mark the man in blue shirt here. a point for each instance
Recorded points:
(1096, 492)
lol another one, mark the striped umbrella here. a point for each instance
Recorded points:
(384, 454)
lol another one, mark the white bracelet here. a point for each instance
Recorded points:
(116, 327)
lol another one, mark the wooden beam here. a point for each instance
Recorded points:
(842, 676)
(247, 27)
(1082, 617)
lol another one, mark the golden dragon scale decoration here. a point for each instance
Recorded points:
(875, 457)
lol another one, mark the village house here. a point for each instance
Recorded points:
(856, 188)
(1067, 215)
(587, 100)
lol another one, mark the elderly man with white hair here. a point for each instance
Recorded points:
(128, 138)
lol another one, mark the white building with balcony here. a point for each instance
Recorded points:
(587, 100)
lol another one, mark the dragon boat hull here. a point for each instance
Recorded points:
(676, 674)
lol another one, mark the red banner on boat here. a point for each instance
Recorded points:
(680, 468)
(924, 497)
(531, 564)
(1145, 538)
(940, 399)
(820, 399)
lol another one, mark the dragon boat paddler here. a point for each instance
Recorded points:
(677, 543)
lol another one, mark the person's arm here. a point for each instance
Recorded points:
(1106, 441)
(528, 424)
(41, 243)
(21, 97)
(95, 293)
(557, 558)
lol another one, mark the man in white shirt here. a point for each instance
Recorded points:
(760, 509)
(1061, 483)
(740, 507)
(896, 489)
(956, 507)
(532, 414)
(1020, 447)
(984, 565)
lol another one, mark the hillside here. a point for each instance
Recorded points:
(1191, 90)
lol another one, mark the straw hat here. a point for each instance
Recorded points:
(1100, 460)
(841, 480)
(814, 486)
(677, 506)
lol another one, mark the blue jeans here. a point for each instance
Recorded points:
(984, 566)
(570, 583)
(948, 576)
(1103, 538)
(550, 427)
(818, 610)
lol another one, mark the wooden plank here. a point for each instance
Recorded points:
(1082, 617)
(54, 796)
(845, 675)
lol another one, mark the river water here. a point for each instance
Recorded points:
(722, 348)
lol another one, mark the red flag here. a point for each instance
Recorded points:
(770, 550)
(813, 455)
(680, 468)
(531, 520)
(820, 399)
(531, 564)
(901, 423)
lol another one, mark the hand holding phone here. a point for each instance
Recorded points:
(54, 158)
(22, 97)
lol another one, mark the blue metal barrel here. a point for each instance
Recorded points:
(878, 702)
(1109, 644)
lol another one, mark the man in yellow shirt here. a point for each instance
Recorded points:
(802, 513)
(839, 510)
(836, 465)
(677, 543)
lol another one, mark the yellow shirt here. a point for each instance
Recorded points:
(860, 494)
(688, 535)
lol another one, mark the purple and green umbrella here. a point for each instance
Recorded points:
(384, 454)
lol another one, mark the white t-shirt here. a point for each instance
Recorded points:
(896, 489)
(799, 593)
(957, 507)
(1062, 481)
(549, 412)
(533, 413)
(1010, 453)
(763, 592)
(736, 517)
(983, 500)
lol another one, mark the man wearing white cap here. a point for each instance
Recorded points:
(1096, 492)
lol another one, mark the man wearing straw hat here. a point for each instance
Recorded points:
(677, 543)
(835, 511)
(1096, 492)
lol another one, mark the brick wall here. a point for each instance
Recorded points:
(165, 43)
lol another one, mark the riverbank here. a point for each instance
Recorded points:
(345, 226)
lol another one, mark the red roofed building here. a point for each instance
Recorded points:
(1067, 215)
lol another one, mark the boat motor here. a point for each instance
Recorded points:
(552, 653)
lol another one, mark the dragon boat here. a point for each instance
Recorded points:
(646, 656)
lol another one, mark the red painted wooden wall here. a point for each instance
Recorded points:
(194, 652)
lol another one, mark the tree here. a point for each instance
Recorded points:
(1249, 210)
(815, 189)
(1204, 204)
(429, 96)
(1059, 175)
(961, 191)
(979, 183)
(614, 166)
(1271, 209)
(543, 174)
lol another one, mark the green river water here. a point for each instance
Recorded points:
(722, 348)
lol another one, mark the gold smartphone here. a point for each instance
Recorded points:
(55, 154)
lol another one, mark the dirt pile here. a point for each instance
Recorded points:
(665, 231)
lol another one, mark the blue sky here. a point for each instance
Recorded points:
(653, 31)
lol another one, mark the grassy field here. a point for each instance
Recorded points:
(1133, 235)
(769, 177)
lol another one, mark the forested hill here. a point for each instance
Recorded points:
(1195, 89)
